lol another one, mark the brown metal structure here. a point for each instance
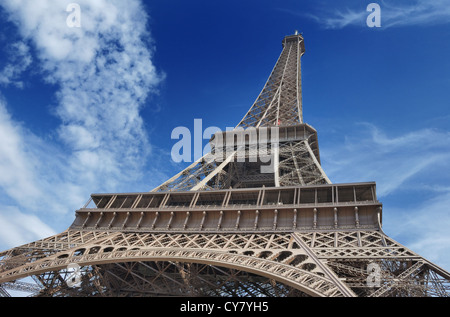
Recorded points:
(257, 216)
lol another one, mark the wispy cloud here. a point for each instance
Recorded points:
(17, 228)
(20, 60)
(17, 174)
(419, 13)
(412, 166)
(338, 18)
(372, 155)
(393, 13)
(424, 227)
(104, 74)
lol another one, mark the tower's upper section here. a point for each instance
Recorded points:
(296, 38)
(280, 101)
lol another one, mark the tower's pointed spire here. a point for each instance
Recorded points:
(280, 101)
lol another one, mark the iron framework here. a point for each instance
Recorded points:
(257, 216)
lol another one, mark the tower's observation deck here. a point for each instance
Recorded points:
(322, 207)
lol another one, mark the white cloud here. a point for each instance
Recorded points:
(34, 174)
(419, 13)
(425, 228)
(371, 155)
(393, 14)
(17, 173)
(17, 228)
(20, 61)
(104, 74)
(339, 18)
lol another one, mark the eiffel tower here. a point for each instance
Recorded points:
(256, 216)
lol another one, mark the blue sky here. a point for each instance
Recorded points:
(91, 109)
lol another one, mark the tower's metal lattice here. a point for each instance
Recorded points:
(257, 216)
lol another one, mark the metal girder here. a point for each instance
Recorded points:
(315, 263)
(120, 247)
(280, 101)
(299, 166)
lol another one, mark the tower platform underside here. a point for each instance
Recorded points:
(277, 241)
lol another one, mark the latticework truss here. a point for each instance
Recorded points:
(264, 264)
(256, 217)
(280, 101)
